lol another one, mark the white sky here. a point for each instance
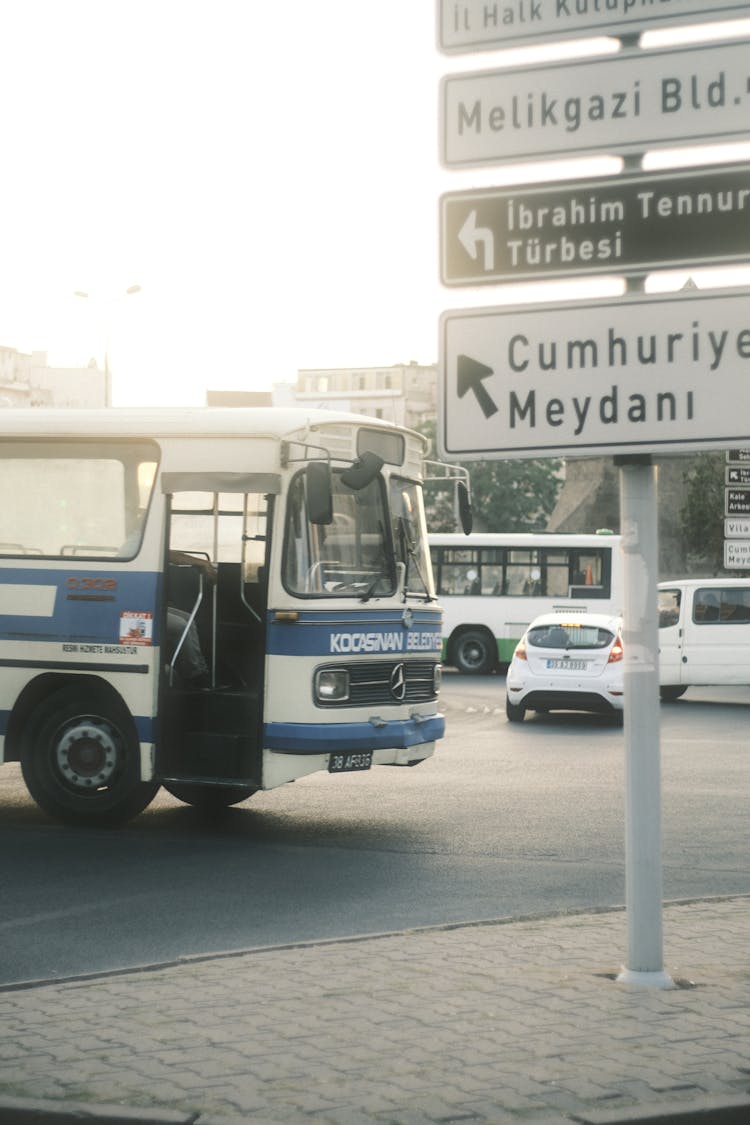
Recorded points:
(267, 172)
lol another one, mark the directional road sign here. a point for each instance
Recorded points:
(469, 25)
(667, 373)
(615, 224)
(738, 456)
(737, 554)
(737, 527)
(737, 501)
(737, 474)
(620, 103)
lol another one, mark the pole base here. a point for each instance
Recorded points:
(657, 979)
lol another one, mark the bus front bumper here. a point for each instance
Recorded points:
(376, 734)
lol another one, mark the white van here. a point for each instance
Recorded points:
(704, 633)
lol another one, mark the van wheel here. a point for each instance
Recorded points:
(670, 693)
(210, 798)
(514, 711)
(81, 760)
(475, 653)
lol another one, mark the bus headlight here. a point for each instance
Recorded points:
(437, 678)
(331, 685)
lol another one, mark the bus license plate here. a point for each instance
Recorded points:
(348, 763)
(568, 665)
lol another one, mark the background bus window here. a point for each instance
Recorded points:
(556, 572)
(523, 573)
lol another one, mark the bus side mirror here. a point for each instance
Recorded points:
(464, 508)
(363, 471)
(319, 492)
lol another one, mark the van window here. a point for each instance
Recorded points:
(669, 607)
(722, 606)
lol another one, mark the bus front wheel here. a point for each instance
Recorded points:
(210, 798)
(81, 759)
(474, 652)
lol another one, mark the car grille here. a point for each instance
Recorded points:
(370, 683)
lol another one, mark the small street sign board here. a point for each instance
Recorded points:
(737, 527)
(665, 373)
(737, 474)
(737, 501)
(738, 456)
(737, 554)
(616, 224)
(471, 25)
(622, 103)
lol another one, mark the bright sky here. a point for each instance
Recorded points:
(266, 172)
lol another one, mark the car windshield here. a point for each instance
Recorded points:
(569, 636)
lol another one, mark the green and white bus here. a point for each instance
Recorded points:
(491, 586)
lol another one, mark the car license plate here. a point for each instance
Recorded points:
(568, 665)
(348, 763)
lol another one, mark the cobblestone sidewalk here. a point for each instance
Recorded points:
(492, 1022)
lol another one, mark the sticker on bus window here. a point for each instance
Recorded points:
(136, 628)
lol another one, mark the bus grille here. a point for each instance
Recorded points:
(370, 683)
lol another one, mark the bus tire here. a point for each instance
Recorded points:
(81, 760)
(209, 798)
(514, 711)
(474, 652)
(670, 692)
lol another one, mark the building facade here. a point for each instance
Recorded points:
(405, 393)
(28, 380)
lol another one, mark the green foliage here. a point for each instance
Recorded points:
(702, 514)
(506, 495)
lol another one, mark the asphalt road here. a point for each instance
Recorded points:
(506, 820)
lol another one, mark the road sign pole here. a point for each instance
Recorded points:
(643, 874)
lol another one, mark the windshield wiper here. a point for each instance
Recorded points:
(409, 552)
(391, 561)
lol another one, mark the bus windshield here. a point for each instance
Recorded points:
(350, 556)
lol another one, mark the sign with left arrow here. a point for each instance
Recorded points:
(621, 224)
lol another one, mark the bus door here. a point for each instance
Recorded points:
(213, 628)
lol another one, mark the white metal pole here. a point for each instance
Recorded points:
(643, 872)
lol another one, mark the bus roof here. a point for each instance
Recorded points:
(266, 421)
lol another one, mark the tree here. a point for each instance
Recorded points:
(702, 513)
(506, 495)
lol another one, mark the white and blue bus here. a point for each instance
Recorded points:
(215, 601)
(492, 585)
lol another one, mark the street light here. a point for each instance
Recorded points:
(107, 373)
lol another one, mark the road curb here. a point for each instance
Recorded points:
(28, 1111)
(732, 1110)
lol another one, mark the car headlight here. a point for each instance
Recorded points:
(332, 685)
(437, 678)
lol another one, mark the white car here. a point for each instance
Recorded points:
(567, 663)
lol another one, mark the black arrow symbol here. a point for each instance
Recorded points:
(470, 373)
